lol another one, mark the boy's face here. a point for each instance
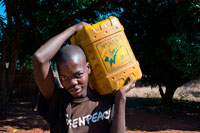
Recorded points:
(73, 76)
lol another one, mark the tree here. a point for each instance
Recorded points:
(10, 39)
(165, 38)
(159, 31)
(30, 24)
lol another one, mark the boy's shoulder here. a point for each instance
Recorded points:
(94, 96)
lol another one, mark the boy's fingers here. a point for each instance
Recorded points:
(133, 85)
(80, 25)
(84, 23)
(128, 86)
(130, 80)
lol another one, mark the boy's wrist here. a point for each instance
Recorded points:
(72, 29)
(120, 104)
(119, 95)
(119, 98)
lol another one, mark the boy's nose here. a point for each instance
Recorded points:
(73, 82)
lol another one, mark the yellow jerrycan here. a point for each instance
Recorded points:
(109, 54)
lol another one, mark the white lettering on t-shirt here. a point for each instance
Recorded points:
(74, 123)
(88, 118)
(106, 114)
(81, 121)
(69, 123)
(100, 115)
(94, 118)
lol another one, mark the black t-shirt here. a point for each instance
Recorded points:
(66, 114)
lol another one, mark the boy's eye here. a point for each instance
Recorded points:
(63, 78)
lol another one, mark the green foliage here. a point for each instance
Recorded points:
(185, 55)
(185, 42)
(182, 96)
(40, 20)
(164, 35)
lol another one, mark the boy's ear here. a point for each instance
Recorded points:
(88, 67)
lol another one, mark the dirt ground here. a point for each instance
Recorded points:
(144, 113)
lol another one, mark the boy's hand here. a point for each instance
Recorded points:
(118, 124)
(120, 94)
(79, 26)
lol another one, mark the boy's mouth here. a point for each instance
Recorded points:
(75, 91)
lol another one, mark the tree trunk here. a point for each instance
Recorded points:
(8, 77)
(13, 59)
(168, 95)
(3, 88)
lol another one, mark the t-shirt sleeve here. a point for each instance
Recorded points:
(42, 106)
(45, 109)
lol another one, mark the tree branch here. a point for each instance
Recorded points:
(81, 13)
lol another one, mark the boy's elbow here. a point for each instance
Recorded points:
(36, 59)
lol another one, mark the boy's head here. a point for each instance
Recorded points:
(73, 70)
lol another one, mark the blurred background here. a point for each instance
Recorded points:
(164, 36)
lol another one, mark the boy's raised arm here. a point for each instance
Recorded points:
(40, 61)
(118, 122)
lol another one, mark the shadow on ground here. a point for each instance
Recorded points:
(142, 114)
(20, 116)
(147, 114)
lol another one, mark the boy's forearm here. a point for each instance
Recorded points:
(40, 61)
(50, 48)
(118, 122)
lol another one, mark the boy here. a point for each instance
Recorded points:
(75, 108)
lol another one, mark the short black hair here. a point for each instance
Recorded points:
(68, 52)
